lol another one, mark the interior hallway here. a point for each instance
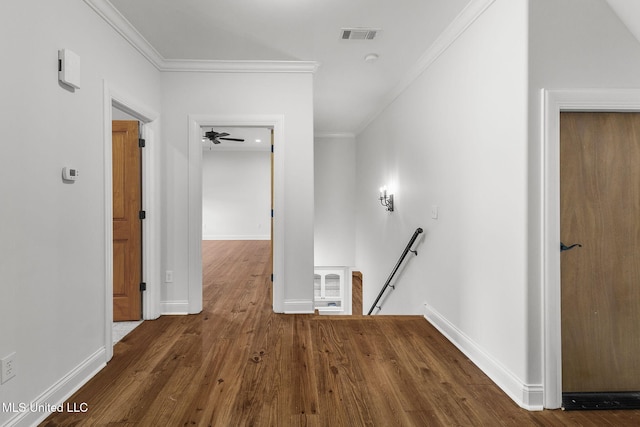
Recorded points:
(238, 363)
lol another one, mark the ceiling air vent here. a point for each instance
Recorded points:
(359, 33)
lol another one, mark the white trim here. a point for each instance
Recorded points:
(555, 101)
(298, 306)
(59, 392)
(334, 135)
(527, 396)
(151, 200)
(221, 66)
(460, 24)
(236, 237)
(275, 122)
(174, 307)
(123, 27)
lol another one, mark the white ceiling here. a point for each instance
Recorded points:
(629, 12)
(347, 90)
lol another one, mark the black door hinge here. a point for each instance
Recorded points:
(271, 213)
(143, 286)
(141, 142)
(142, 214)
(272, 277)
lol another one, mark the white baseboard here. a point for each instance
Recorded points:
(298, 306)
(174, 307)
(527, 396)
(58, 393)
(236, 237)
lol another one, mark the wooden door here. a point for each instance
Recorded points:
(127, 227)
(600, 209)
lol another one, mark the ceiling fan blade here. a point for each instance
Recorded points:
(232, 139)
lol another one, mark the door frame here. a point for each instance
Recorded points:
(196, 122)
(553, 103)
(113, 97)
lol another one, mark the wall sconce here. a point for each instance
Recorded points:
(386, 200)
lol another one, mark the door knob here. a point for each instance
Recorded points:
(564, 247)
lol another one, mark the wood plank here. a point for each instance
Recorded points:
(238, 363)
(356, 293)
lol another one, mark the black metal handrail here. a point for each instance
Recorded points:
(395, 269)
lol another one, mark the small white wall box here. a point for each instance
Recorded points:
(69, 68)
(69, 174)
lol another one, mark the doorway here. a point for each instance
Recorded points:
(127, 220)
(236, 192)
(196, 123)
(554, 102)
(115, 102)
(600, 240)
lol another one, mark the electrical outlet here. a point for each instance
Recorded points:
(8, 367)
(168, 276)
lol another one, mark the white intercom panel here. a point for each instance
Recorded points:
(69, 68)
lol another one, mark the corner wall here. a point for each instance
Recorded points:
(241, 94)
(335, 194)
(459, 143)
(52, 245)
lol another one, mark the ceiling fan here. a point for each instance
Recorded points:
(218, 137)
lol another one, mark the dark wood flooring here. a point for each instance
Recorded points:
(239, 364)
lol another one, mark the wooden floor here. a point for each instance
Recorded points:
(239, 364)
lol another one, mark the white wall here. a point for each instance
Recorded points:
(574, 44)
(335, 194)
(52, 247)
(236, 195)
(457, 139)
(287, 95)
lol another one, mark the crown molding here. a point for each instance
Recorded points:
(122, 26)
(113, 17)
(321, 135)
(460, 24)
(219, 66)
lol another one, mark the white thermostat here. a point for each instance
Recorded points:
(69, 174)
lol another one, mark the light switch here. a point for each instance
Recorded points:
(434, 212)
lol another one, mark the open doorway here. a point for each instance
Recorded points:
(114, 100)
(198, 123)
(127, 223)
(237, 187)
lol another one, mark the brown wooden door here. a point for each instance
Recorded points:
(600, 209)
(127, 227)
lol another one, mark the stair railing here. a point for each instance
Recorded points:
(395, 269)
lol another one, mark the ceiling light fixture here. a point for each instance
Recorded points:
(371, 57)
